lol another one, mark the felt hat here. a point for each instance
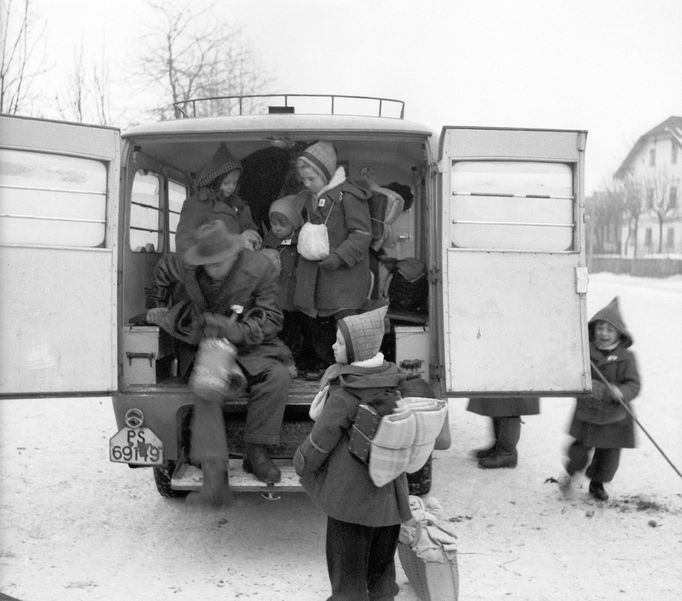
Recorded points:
(214, 243)
(221, 164)
(290, 206)
(321, 156)
(363, 333)
(611, 314)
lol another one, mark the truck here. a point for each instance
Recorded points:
(494, 214)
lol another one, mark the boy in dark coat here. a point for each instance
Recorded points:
(285, 222)
(363, 521)
(600, 422)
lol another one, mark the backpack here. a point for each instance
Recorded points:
(408, 286)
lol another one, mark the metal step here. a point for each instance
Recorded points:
(189, 477)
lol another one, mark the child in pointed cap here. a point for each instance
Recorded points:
(363, 520)
(601, 425)
(216, 198)
(285, 222)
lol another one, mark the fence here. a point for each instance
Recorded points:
(641, 266)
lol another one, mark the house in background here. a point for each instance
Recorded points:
(651, 178)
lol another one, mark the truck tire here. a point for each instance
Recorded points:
(419, 482)
(162, 478)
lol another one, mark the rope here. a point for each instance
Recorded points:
(632, 415)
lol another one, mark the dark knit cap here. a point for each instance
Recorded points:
(221, 164)
(363, 333)
(321, 156)
(611, 314)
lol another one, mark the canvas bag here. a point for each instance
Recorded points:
(216, 375)
(313, 239)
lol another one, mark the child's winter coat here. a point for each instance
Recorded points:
(600, 420)
(337, 482)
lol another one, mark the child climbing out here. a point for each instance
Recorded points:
(217, 198)
(363, 520)
(600, 422)
(338, 284)
(285, 222)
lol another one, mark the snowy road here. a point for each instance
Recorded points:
(75, 527)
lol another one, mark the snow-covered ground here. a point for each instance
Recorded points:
(75, 527)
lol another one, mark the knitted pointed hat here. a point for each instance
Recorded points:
(611, 314)
(221, 164)
(363, 333)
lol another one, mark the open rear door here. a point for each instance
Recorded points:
(514, 279)
(58, 212)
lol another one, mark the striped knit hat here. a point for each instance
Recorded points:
(221, 164)
(321, 156)
(363, 333)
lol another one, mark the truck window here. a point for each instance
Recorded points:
(515, 205)
(51, 199)
(177, 193)
(145, 212)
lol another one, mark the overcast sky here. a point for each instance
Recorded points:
(612, 67)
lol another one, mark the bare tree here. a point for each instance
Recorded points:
(20, 60)
(604, 213)
(190, 54)
(70, 99)
(632, 207)
(658, 185)
(85, 95)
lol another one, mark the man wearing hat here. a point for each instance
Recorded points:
(233, 293)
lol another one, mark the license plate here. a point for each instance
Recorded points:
(136, 445)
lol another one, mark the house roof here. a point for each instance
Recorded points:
(672, 127)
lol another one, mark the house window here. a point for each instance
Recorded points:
(670, 238)
(673, 152)
(652, 157)
(647, 237)
(673, 197)
(650, 198)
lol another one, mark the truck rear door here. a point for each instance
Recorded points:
(514, 279)
(58, 248)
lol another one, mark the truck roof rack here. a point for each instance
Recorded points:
(317, 104)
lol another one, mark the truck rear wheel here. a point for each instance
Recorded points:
(162, 477)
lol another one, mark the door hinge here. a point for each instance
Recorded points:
(436, 371)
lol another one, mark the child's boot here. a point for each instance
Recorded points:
(597, 491)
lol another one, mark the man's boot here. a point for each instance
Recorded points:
(505, 454)
(256, 461)
(488, 451)
(215, 489)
